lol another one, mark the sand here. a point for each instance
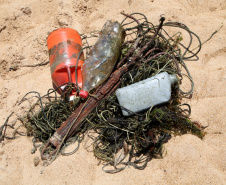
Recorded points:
(24, 27)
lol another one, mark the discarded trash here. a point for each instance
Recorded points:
(118, 140)
(102, 57)
(146, 93)
(65, 46)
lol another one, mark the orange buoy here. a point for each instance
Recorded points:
(64, 46)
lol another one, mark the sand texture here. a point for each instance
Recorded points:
(24, 27)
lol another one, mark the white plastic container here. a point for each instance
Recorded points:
(145, 94)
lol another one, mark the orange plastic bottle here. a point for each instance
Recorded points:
(64, 45)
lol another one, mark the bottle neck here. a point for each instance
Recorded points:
(173, 79)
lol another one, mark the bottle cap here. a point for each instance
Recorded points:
(83, 94)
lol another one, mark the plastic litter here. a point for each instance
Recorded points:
(102, 57)
(146, 93)
(64, 45)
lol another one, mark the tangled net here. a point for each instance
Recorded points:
(121, 141)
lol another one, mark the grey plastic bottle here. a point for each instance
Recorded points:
(102, 57)
(146, 93)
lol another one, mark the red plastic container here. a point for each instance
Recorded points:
(64, 45)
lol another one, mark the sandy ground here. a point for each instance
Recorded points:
(24, 27)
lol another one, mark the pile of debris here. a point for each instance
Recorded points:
(123, 135)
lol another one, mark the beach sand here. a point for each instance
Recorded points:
(24, 27)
